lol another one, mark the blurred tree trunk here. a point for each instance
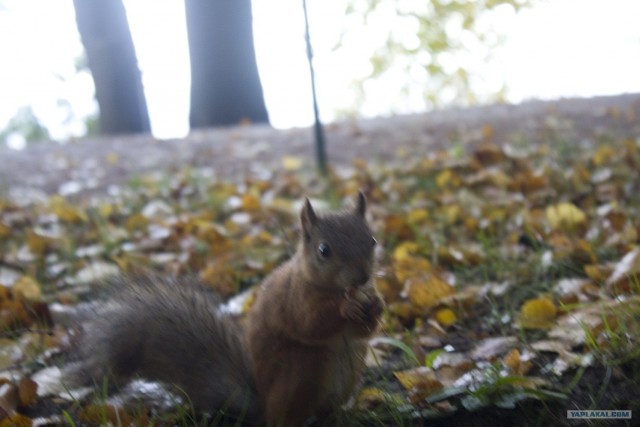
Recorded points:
(225, 85)
(112, 59)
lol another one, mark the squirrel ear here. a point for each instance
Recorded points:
(308, 217)
(361, 204)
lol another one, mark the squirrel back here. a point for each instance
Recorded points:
(168, 330)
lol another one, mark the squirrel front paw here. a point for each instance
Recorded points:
(361, 306)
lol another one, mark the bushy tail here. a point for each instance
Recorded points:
(170, 331)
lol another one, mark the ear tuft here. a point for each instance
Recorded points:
(361, 204)
(308, 217)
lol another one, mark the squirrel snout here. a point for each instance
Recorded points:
(361, 279)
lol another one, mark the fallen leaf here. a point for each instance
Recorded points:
(419, 382)
(538, 313)
(292, 163)
(9, 399)
(446, 317)
(625, 277)
(371, 398)
(426, 292)
(28, 392)
(493, 347)
(565, 215)
(16, 420)
(516, 363)
(28, 287)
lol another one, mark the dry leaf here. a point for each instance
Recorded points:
(28, 287)
(292, 163)
(565, 215)
(426, 292)
(16, 420)
(515, 362)
(446, 317)
(625, 277)
(420, 382)
(539, 313)
(28, 392)
(370, 398)
(493, 347)
(9, 398)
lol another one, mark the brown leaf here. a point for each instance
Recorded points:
(9, 398)
(28, 392)
(16, 420)
(488, 153)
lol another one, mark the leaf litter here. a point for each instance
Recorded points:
(507, 272)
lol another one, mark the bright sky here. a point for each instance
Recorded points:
(560, 48)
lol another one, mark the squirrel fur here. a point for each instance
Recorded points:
(300, 354)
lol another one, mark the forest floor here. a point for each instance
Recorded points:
(508, 254)
(234, 153)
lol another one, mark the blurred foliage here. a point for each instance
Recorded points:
(425, 48)
(25, 125)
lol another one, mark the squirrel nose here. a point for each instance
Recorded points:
(362, 278)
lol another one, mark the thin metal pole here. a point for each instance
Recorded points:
(321, 152)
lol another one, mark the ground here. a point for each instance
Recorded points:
(236, 152)
(508, 250)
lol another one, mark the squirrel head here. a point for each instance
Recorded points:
(337, 248)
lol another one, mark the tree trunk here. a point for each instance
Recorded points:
(225, 86)
(112, 59)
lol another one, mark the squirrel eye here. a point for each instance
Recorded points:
(324, 250)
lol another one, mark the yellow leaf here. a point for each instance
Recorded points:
(446, 317)
(5, 230)
(112, 158)
(250, 203)
(512, 359)
(452, 213)
(65, 211)
(538, 313)
(404, 250)
(136, 222)
(602, 155)
(425, 294)
(411, 266)
(106, 210)
(487, 132)
(597, 273)
(28, 288)
(37, 243)
(417, 377)
(565, 215)
(417, 216)
(292, 163)
(370, 398)
(446, 178)
(420, 382)
(220, 276)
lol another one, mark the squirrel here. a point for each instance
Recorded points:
(300, 354)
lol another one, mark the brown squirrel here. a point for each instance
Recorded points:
(300, 354)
